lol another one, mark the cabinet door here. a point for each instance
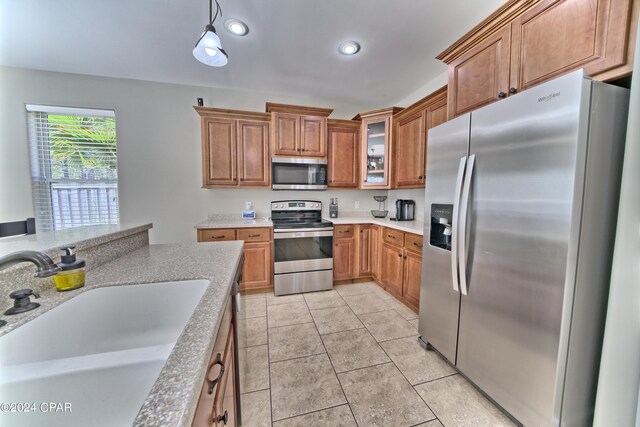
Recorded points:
(344, 157)
(225, 407)
(313, 137)
(411, 284)
(558, 36)
(253, 153)
(218, 152)
(286, 134)
(209, 400)
(375, 152)
(410, 150)
(343, 258)
(364, 251)
(481, 76)
(375, 251)
(256, 271)
(391, 269)
(436, 115)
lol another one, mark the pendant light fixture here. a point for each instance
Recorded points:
(208, 49)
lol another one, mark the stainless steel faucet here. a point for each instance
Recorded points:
(45, 266)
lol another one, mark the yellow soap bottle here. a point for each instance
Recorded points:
(71, 275)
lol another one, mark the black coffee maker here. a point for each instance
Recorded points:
(405, 210)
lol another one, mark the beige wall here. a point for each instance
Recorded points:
(158, 147)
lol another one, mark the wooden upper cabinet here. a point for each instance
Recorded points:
(558, 36)
(411, 139)
(375, 147)
(253, 153)
(410, 150)
(286, 134)
(218, 151)
(313, 135)
(525, 43)
(480, 76)
(235, 148)
(343, 142)
(298, 131)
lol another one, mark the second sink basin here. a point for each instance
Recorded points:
(99, 352)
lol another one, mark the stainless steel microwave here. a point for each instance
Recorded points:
(294, 173)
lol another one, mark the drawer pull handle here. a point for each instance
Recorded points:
(343, 231)
(390, 236)
(418, 244)
(253, 235)
(218, 361)
(219, 236)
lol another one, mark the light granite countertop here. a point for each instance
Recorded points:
(81, 237)
(226, 221)
(415, 227)
(174, 396)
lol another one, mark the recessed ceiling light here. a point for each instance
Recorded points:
(236, 27)
(349, 48)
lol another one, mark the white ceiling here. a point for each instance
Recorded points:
(291, 47)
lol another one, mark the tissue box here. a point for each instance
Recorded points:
(248, 214)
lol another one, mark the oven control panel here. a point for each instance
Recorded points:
(296, 205)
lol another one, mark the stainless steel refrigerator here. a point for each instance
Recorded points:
(520, 212)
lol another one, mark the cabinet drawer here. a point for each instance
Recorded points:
(393, 237)
(343, 231)
(413, 242)
(254, 234)
(216, 235)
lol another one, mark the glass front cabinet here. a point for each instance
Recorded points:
(376, 147)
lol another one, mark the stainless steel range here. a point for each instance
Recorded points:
(303, 247)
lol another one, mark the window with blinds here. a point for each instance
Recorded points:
(74, 171)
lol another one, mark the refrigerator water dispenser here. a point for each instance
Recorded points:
(440, 235)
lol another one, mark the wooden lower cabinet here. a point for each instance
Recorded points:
(257, 272)
(391, 268)
(412, 274)
(365, 268)
(217, 404)
(258, 263)
(376, 233)
(344, 255)
(391, 257)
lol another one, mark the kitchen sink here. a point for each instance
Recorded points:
(93, 359)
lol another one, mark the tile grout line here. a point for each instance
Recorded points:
(403, 375)
(331, 362)
(269, 365)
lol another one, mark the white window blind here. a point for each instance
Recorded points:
(74, 171)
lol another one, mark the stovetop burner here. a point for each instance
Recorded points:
(294, 214)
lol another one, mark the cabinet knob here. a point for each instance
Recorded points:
(513, 90)
(302, 149)
(400, 255)
(224, 418)
(501, 95)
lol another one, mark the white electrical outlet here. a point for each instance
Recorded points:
(357, 204)
(248, 205)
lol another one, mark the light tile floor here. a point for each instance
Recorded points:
(347, 357)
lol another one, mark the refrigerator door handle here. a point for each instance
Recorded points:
(454, 225)
(464, 207)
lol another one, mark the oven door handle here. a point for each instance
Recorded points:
(300, 233)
